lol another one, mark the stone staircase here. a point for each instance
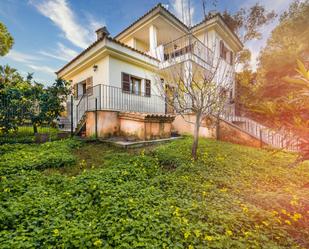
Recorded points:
(276, 139)
(81, 125)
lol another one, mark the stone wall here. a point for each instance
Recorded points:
(137, 126)
(145, 126)
(185, 126)
(231, 133)
(227, 132)
(108, 124)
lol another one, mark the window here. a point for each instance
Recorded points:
(231, 58)
(84, 85)
(131, 84)
(147, 88)
(135, 86)
(222, 50)
(226, 54)
(89, 86)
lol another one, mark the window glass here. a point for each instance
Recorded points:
(135, 85)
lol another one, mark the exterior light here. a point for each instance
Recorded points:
(95, 68)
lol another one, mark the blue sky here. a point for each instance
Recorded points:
(48, 33)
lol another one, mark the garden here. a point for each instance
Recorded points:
(73, 194)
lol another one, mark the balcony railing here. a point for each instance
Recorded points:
(186, 47)
(104, 97)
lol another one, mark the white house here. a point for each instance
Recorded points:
(118, 74)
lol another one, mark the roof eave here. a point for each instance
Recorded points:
(156, 10)
(219, 19)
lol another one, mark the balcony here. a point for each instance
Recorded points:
(185, 48)
(105, 97)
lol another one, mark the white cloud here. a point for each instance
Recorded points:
(94, 24)
(60, 13)
(62, 53)
(43, 69)
(30, 61)
(181, 10)
(21, 57)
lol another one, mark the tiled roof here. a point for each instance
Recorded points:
(159, 5)
(133, 49)
(220, 16)
(95, 43)
(146, 115)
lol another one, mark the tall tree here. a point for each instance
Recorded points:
(194, 91)
(13, 90)
(247, 24)
(6, 40)
(23, 100)
(287, 43)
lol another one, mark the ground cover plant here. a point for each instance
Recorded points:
(232, 197)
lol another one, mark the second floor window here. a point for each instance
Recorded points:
(223, 50)
(226, 54)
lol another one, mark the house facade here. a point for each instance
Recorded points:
(118, 76)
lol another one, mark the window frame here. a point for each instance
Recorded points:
(130, 82)
(132, 90)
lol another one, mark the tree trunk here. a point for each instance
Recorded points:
(35, 129)
(196, 136)
(217, 128)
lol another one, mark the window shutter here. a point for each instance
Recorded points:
(75, 90)
(125, 82)
(221, 49)
(89, 86)
(147, 88)
(231, 58)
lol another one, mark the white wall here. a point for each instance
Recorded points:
(116, 67)
(100, 76)
(137, 44)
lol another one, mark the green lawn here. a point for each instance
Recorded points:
(68, 194)
(24, 134)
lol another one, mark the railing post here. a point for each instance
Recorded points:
(261, 138)
(72, 116)
(96, 118)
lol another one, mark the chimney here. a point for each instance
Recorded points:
(102, 32)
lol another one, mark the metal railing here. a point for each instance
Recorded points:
(187, 45)
(115, 99)
(277, 139)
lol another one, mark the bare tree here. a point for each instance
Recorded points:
(196, 82)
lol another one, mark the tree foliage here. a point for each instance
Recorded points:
(24, 100)
(287, 43)
(247, 24)
(278, 98)
(6, 40)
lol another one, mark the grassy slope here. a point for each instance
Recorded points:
(233, 197)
